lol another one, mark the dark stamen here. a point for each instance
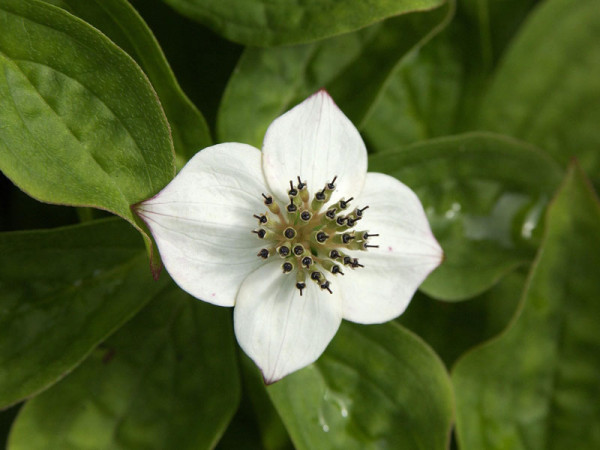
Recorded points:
(261, 219)
(301, 185)
(300, 286)
(336, 269)
(347, 237)
(355, 263)
(347, 260)
(350, 222)
(331, 186)
(292, 192)
(370, 246)
(344, 203)
(340, 220)
(320, 195)
(287, 267)
(291, 207)
(315, 275)
(367, 235)
(331, 213)
(307, 261)
(298, 250)
(289, 233)
(305, 215)
(325, 285)
(268, 199)
(264, 253)
(322, 236)
(261, 233)
(359, 212)
(334, 254)
(284, 250)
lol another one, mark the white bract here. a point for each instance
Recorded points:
(296, 237)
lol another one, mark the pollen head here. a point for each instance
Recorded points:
(312, 234)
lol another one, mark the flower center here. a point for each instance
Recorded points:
(312, 235)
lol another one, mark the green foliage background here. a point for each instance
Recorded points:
(488, 109)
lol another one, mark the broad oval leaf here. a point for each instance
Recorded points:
(267, 22)
(354, 68)
(61, 292)
(484, 195)
(547, 90)
(167, 379)
(536, 386)
(81, 124)
(375, 386)
(126, 28)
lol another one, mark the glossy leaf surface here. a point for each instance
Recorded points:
(81, 124)
(167, 379)
(61, 293)
(124, 26)
(376, 386)
(484, 195)
(547, 90)
(265, 23)
(536, 386)
(353, 68)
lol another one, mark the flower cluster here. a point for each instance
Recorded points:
(274, 233)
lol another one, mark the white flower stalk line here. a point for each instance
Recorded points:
(296, 237)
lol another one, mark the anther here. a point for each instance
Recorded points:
(330, 214)
(283, 251)
(268, 199)
(307, 261)
(287, 267)
(347, 238)
(359, 212)
(292, 192)
(366, 235)
(322, 236)
(350, 222)
(292, 207)
(298, 250)
(365, 246)
(325, 285)
(347, 260)
(305, 215)
(320, 196)
(261, 233)
(264, 253)
(334, 254)
(300, 286)
(261, 219)
(331, 186)
(301, 185)
(315, 276)
(336, 269)
(341, 221)
(344, 203)
(355, 263)
(289, 233)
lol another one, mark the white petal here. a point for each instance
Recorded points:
(316, 141)
(278, 328)
(202, 221)
(407, 253)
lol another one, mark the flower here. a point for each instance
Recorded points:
(295, 237)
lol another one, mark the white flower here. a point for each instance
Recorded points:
(284, 236)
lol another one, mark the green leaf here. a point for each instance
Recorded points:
(126, 28)
(376, 386)
(266, 23)
(484, 195)
(81, 124)
(62, 292)
(469, 323)
(547, 90)
(536, 386)
(167, 379)
(436, 89)
(354, 68)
